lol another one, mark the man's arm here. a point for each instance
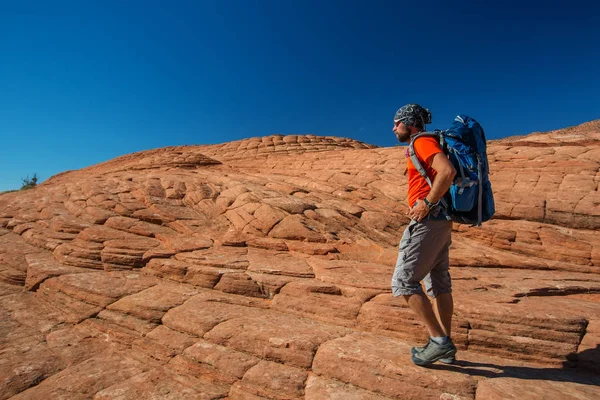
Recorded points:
(445, 173)
(443, 179)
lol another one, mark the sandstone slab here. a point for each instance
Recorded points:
(383, 365)
(318, 387)
(271, 380)
(279, 337)
(84, 380)
(202, 313)
(165, 384)
(351, 273)
(278, 263)
(27, 361)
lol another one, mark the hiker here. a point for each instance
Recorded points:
(424, 248)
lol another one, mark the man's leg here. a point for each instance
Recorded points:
(444, 307)
(421, 306)
(439, 285)
(440, 346)
(419, 253)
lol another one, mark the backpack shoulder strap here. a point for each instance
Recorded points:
(413, 155)
(415, 160)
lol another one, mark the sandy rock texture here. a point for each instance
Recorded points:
(261, 269)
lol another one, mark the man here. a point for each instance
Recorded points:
(424, 248)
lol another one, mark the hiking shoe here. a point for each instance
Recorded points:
(415, 350)
(433, 352)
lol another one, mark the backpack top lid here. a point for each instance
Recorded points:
(469, 131)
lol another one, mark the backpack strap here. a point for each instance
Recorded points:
(480, 200)
(413, 155)
(415, 160)
(465, 181)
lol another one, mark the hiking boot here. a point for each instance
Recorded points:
(415, 350)
(433, 352)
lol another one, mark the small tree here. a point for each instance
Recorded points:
(29, 183)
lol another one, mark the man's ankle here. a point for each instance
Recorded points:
(440, 339)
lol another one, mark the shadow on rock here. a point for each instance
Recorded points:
(581, 368)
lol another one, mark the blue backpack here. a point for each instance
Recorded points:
(470, 199)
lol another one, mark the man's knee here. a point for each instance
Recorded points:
(405, 283)
(433, 293)
(438, 282)
(407, 297)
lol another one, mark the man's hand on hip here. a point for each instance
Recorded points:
(419, 211)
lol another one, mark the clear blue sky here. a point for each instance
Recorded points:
(86, 81)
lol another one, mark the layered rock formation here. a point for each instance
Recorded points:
(260, 269)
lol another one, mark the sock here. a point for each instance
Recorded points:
(440, 339)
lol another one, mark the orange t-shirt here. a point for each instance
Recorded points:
(418, 188)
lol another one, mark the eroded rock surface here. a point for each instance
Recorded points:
(260, 269)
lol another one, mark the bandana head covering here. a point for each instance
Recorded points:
(413, 115)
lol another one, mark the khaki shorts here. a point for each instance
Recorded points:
(423, 255)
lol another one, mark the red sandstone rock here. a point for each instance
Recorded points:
(278, 337)
(322, 388)
(380, 364)
(87, 378)
(164, 383)
(260, 269)
(273, 380)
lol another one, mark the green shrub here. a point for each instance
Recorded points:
(29, 183)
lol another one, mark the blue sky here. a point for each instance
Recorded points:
(83, 82)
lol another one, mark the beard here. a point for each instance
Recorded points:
(404, 136)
